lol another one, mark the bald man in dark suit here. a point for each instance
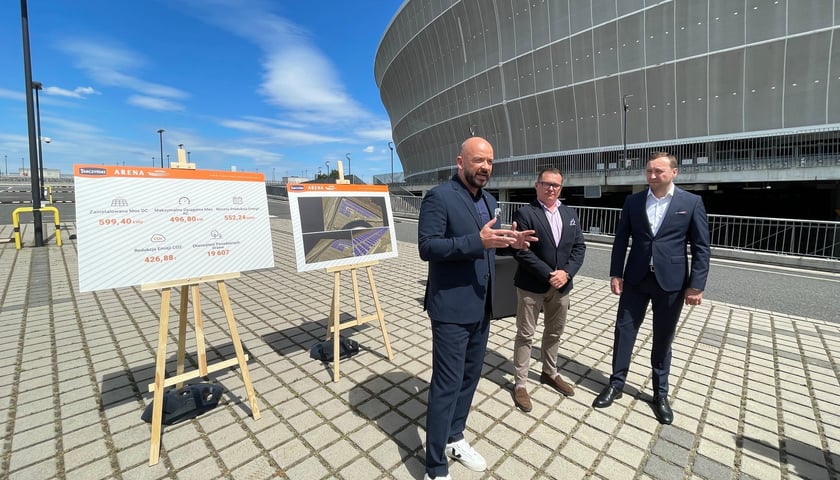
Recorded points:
(458, 235)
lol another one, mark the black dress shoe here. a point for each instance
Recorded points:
(606, 397)
(662, 410)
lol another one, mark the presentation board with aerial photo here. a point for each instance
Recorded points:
(338, 225)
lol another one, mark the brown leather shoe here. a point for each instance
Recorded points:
(521, 399)
(558, 384)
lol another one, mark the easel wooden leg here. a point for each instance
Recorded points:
(160, 376)
(335, 323)
(240, 354)
(357, 301)
(199, 331)
(379, 313)
(182, 333)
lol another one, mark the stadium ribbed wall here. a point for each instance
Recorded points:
(542, 78)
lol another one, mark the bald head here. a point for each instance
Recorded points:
(474, 143)
(475, 162)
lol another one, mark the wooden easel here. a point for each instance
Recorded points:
(191, 286)
(334, 324)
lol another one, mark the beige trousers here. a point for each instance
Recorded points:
(528, 305)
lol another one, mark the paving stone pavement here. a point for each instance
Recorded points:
(755, 393)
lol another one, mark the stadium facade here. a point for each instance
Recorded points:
(746, 93)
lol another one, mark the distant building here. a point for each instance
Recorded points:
(48, 173)
(286, 180)
(352, 178)
(51, 173)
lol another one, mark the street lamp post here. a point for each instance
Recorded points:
(349, 173)
(391, 146)
(188, 156)
(167, 159)
(626, 107)
(160, 132)
(30, 117)
(37, 86)
(6, 158)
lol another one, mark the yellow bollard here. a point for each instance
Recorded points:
(16, 223)
(56, 222)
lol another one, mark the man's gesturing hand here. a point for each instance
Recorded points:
(499, 238)
(523, 238)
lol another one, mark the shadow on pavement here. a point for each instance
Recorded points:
(802, 459)
(391, 400)
(132, 385)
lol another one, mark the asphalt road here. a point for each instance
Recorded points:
(13, 196)
(787, 290)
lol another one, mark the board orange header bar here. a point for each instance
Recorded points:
(333, 187)
(107, 171)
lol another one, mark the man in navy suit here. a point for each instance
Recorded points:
(662, 221)
(457, 234)
(543, 281)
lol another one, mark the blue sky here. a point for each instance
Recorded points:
(276, 86)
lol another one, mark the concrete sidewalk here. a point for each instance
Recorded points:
(756, 395)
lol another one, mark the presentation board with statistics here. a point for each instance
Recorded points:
(141, 225)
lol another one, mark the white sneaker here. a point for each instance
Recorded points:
(427, 477)
(464, 453)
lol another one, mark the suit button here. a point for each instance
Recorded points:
(486, 276)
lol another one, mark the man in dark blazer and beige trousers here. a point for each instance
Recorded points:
(662, 221)
(543, 281)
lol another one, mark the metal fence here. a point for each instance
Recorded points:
(778, 236)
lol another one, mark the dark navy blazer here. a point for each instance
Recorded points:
(543, 257)
(685, 222)
(461, 270)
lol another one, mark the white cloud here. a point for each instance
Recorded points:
(277, 122)
(114, 67)
(379, 131)
(297, 76)
(271, 134)
(78, 92)
(368, 149)
(85, 90)
(151, 103)
(13, 94)
(300, 79)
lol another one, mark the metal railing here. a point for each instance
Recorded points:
(406, 205)
(782, 236)
(778, 236)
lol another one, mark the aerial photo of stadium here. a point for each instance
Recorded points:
(344, 227)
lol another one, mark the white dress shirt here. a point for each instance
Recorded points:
(656, 208)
